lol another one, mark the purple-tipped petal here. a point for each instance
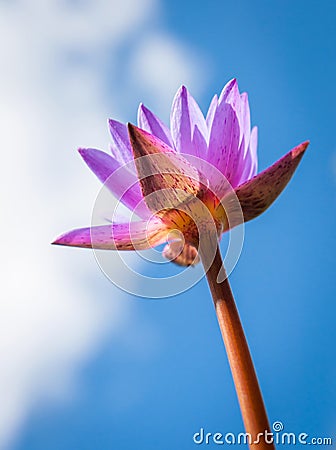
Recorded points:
(224, 139)
(117, 236)
(199, 144)
(248, 164)
(250, 160)
(121, 146)
(253, 151)
(238, 166)
(122, 182)
(245, 121)
(257, 194)
(211, 111)
(167, 179)
(230, 94)
(151, 123)
(185, 115)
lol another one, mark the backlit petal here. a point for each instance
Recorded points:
(121, 181)
(185, 115)
(224, 139)
(245, 120)
(121, 146)
(117, 236)
(230, 94)
(211, 111)
(199, 144)
(249, 163)
(151, 123)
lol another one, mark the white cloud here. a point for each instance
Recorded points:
(159, 62)
(53, 99)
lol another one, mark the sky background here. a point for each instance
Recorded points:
(84, 365)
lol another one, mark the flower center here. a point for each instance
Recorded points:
(194, 218)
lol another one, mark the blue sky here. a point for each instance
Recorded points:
(147, 374)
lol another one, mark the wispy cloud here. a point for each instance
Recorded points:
(161, 63)
(56, 57)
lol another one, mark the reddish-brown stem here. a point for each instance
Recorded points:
(242, 368)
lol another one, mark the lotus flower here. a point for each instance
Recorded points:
(222, 141)
(195, 181)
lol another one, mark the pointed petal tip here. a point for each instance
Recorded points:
(87, 154)
(232, 82)
(133, 130)
(297, 152)
(139, 139)
(114, 125)
(58, 241)
(301, 148)
(182, 91)
(82, 151)
(115, 128)
(142, 107)
(230, 92)
(73, 238)
(136, 132)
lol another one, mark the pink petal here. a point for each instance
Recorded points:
(257, 194)
(121, 146)
(240, 165)
(253, 151)
(166, 177)
(230, 94)
(249, 163)
(151, 123)
(122, 182)
(224, 139)
(245, 120)
(185, 115)
(117, 236)
(247, 160)
(199, 144)
(211, 111)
